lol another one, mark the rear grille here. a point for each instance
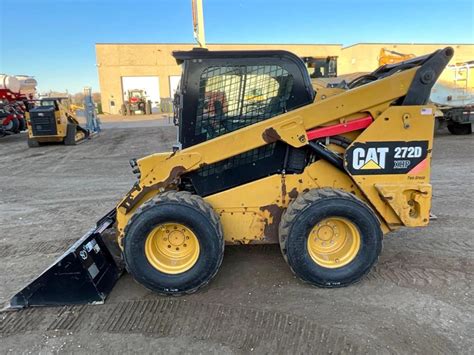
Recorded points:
(43, 126)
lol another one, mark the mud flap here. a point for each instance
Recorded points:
(84, 274)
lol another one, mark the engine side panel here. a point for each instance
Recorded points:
(251, 213)
(390, 162)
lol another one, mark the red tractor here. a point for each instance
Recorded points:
(136, 102)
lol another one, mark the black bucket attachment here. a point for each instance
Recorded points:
(84, 274)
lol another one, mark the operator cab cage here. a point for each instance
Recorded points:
(46, 102)
(223, 91)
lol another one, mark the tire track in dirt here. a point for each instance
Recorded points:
(404, 275)
(244, 328)
(404, 271)
(452, 247)
(40, 248)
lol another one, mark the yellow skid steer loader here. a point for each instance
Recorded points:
(261, 160)
(49, 121)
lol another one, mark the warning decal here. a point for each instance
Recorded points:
(385, 157)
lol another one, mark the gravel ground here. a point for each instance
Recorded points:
(418, 299)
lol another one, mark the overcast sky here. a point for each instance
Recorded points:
(53, 40)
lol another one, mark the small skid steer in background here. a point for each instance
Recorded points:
(49, 121)
(261, 159)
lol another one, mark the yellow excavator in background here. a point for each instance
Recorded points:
(387, 56)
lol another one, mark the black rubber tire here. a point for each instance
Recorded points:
(70, 138)
(305, 212)
(22, 122)
(196, 214)
(32, 143)
(459, 129)
(15, 126)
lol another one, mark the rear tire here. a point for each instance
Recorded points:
(191, 213)
(328, 216)
(459, 129)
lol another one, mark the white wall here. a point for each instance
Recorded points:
(174, 82)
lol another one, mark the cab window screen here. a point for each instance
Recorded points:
(232, 97)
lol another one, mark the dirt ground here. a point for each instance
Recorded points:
(135, 118)
(418, 299)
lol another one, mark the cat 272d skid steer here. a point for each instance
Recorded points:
(262, 159)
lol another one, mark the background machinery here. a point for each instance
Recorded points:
(54, 120)
(454, 97)
(325, 179)
(321, 67)
(14, 93)
(453, 94)
(387, 56)
(136, 102)
(50, 121)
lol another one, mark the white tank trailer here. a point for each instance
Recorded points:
(453, 94)
(11, 83)
(18, 84)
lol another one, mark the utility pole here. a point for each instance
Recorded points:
(198, 23)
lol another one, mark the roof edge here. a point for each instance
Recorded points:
(409, 44)
(218, 44)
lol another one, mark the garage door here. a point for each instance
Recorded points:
(151, 85)
(174, 82)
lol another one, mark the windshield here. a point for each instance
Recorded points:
(46, 103)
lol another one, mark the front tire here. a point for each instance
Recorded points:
(174, 243)
(330, 238)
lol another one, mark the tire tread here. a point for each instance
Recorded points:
(185, 198)
(302, 202)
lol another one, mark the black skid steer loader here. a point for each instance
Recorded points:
(262, 158)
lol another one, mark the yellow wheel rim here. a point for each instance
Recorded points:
(172, 248)
(333, 242)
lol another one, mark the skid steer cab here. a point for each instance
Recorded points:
(261, 160)
(49, 121)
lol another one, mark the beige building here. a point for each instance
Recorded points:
(151, 67)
